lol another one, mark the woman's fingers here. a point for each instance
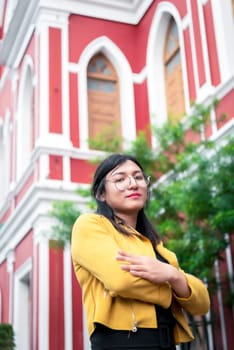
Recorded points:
(144, 266)
(127, 257)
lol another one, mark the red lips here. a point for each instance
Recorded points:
(134, 195)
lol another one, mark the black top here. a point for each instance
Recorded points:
(164, 316)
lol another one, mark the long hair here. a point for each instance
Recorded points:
(143, 225)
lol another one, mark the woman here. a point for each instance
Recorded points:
(134, 291)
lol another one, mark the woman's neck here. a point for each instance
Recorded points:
(129, 220)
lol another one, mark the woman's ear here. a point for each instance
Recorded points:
(101, 197)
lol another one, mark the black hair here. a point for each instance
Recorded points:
(143, 225)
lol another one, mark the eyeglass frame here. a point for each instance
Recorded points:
(146, 178)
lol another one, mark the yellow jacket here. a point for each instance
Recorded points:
(114, 297)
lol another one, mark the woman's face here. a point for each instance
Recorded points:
(125, 189)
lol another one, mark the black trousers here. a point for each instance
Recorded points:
(105, 338)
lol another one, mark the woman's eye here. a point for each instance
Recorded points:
(121, 179)
(139, 177)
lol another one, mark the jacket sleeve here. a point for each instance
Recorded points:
(95, 248)
(198, 303)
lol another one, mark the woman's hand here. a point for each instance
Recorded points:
(154, 271)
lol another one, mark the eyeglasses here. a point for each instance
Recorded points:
(122, 181)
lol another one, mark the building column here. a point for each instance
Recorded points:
(10, 270)
(41, 284)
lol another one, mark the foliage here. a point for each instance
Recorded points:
(107, 140)
(65, 213)
(7, 337)
(192, 191)
(193, 207)
(198, 209)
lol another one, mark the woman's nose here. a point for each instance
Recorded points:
(132, 182)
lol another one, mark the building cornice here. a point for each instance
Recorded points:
(24, 20)
(125, 11)
(21, 26)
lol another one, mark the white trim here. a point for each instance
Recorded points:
(23, 46)
(40, 154)
(68, 297)
(86, 340)
(2, 5)
(10, 270)
(43, 80)
(5, 76)
(224, 28)
(230, 261)
(205, 54)
(43, 293)
(66, 169)
(73, 67)
(214, 127)
(125, 11)
(185, 22)
(65, 78)
(155, 72)
(43, 93)
(24, 117)
(19, 33)
(20, 302)
(193, 46)
(204, 2)
(210, 331)
(220, 306)
(35, 204)
(127, 105)
(35, 295)
(5, 158)
(139, 78)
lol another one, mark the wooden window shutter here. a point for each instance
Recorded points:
(173, 74)
(103, 98)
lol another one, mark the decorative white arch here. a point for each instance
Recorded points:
(7, 149)
(154, 60)
(224, 28)
(123, 69)
(22, 281)
(24, 117)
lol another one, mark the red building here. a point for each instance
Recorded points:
(68, 70)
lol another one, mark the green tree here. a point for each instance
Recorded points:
(7, 337)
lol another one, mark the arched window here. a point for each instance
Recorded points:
(2, 160)
(173, 73)
(5, 155)
(25, 123)
(103, 98)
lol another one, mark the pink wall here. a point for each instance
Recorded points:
(4, 285)
(198, 43)
(56, 299)
(55, 81)
(211, 42)
(74, 112)
(56, 167)
(81, 171)
(24, 250)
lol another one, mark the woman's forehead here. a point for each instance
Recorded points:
(128, 166)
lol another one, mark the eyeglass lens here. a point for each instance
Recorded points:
(124, 182)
